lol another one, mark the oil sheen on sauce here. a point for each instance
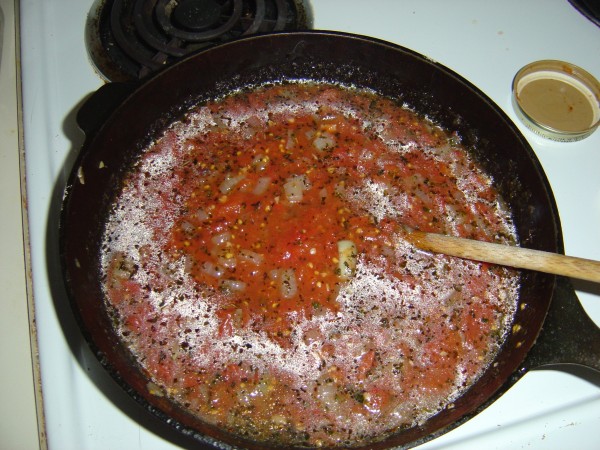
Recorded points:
(257, 267)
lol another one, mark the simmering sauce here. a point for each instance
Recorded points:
(256, 266)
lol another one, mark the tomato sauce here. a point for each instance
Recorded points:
(257, 266)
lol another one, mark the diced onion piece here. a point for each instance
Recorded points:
(212, 269)
(323, 194)
(262, 185)
(230, 182)
(260, 162)
(233, 285)
(202, 215)
(250, 256)
(326, 392)
(124, 268)
(288, 285)
(366, 155)
(218, 120)
(155, 389)
(312, 335)
(187, 227)
(221, 238)
(291, 140)
(121, 274)
(340, 189)
(347, 256)
(254, 121)
(279, 420)
(324, 141)
(294, 188)
(265, 385)
(227, 260)
(253, 124)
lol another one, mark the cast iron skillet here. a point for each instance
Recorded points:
(119, 120)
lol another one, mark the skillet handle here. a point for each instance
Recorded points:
(568, 336)
(100, 104)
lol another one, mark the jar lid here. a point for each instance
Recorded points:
(557, 100)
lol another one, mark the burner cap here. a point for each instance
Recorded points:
(130, 39)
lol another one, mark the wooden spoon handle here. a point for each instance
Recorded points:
(508, 255)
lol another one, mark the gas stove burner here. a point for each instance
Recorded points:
(130, 39)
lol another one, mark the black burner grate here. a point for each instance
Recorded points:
(129, 39)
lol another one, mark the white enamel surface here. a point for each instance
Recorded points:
(486, 42)
(18, 418)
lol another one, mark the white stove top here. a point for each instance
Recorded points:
(486, 42)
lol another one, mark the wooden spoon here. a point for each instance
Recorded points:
(508, 255)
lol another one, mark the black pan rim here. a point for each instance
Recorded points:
(75, 177)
